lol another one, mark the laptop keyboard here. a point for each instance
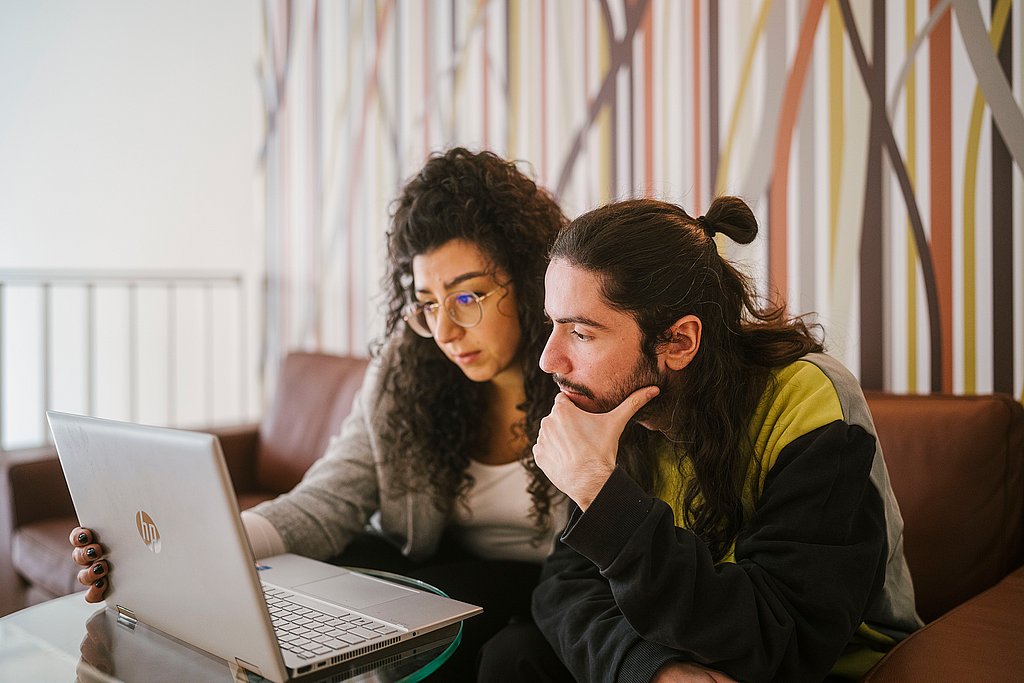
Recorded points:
(310, 633)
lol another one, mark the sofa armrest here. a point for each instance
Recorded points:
(240, 444)
(32, 489)
(37, 490)
(978, 641)
(36, 486)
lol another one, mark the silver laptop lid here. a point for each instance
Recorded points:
(161, 502)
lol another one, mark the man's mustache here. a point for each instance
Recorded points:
(573, 387)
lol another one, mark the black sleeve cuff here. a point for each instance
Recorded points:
(601, 532)
(642, 661)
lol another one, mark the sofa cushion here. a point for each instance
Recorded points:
(248, 500)
(313, 395)
(977, 641)
(956, 468)
(40, 551)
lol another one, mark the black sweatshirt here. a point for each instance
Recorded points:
(817, 570)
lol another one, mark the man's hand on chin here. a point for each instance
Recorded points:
(577, 449)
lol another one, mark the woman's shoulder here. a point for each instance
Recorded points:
(382, 362)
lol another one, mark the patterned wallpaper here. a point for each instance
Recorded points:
(879, 143)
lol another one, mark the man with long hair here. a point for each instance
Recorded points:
(732, 511)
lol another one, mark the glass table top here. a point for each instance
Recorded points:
(67, 639)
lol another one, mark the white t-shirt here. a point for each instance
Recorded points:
(494, 522)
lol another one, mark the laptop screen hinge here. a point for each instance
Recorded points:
(246, 666)
(126, 617)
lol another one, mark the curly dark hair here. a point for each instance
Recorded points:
(658, 263)
(488, 201)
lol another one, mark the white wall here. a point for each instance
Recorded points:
(129, 136)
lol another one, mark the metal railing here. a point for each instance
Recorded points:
(88, 283)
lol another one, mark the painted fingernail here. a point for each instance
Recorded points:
(83, 537)
(100, 583)
(91, 552)
(98, 569)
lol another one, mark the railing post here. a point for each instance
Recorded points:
(3, 407)
(172, 361)
(90, 350)
(133, 347)
(243, 357)
(208, 351)
(47, 352)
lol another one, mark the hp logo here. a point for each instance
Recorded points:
(148, 531)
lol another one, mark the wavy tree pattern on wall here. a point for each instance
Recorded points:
(880, 144)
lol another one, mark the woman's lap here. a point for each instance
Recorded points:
(502, 587)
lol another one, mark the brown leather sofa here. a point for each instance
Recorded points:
(313, 395)
(956, 463)
(957, 469)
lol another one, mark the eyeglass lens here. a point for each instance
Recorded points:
(463, 308)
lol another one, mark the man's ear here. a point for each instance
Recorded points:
(684, 340)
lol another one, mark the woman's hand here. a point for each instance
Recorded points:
(89, 554)
(688, 672)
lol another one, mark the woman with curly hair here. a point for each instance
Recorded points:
(432, 474)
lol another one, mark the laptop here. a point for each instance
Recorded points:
(162, 504)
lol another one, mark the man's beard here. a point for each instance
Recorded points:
(644, 374)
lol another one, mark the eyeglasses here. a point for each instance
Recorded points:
(465, 309)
